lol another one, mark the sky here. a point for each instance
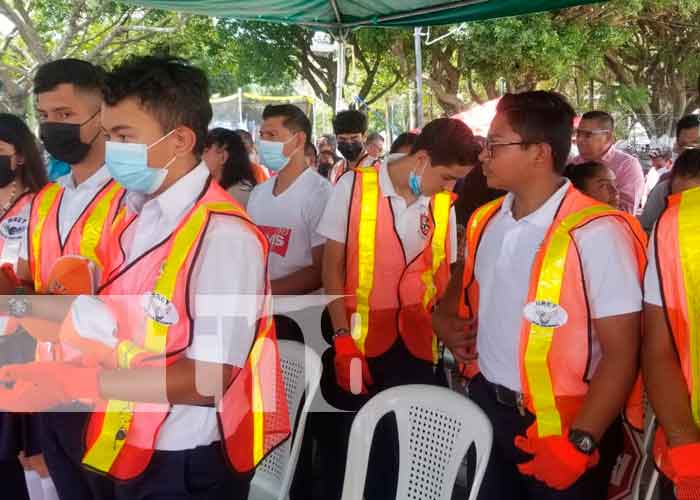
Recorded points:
(5, 25)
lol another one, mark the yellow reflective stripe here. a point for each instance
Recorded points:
(119, 217)
(92, 231)
(119, 414)
(157, 333)
(116, 424)
(479, 215)
(539, 343)
(441, 215)
(365, 253)
(689, 243)
(45, 202)
(127, 351)
(257, 402)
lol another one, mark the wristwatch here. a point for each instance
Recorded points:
(341, 332)
(19, 307)
(582, 441)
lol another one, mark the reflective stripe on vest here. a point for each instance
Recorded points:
(92, 231)
(549, 287)
(45, 200)
(119, 414)
(365, 254)
(689, 243)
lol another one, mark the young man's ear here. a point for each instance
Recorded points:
(185, 141)
(545, 156)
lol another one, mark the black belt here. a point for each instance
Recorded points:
(507, 397)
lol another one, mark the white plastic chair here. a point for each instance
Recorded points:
(301, 368)
(436, 426)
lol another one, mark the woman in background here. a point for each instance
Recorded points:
(595, 180)
(229, 163)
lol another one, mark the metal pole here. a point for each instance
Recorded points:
(419, 77)
(240, 108)
(340, 73)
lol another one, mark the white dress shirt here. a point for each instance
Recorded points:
(503, 266)
(226, 288)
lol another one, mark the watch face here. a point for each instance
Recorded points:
(582, 441)
(586, 444)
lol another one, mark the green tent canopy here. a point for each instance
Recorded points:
(339, 14)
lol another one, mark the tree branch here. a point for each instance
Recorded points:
(71, 30)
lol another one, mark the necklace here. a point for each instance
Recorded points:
(6, 206)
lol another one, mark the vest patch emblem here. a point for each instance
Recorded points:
(160, 309)
(13, 228)
(546, 314)
(424, 225)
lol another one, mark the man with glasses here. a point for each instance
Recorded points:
(594, 138)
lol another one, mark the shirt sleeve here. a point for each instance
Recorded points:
(630, 181)
(652, 286)
(226, 304)
(656, 203)
(453, 236)
(334, 222)
(315, 207)
(610, 268)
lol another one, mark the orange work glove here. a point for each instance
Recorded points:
(39, 386)
(351, 369)
(556, 462)
(685, 460)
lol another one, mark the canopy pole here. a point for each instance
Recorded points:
(340, 72)
(417, 33)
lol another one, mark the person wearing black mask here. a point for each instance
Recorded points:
(22, 174)
(350, 129)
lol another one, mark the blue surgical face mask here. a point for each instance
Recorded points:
(128, 165)
(415, 182)
(272, 154)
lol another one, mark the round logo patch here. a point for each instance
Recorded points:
(13, 228)
(160, 309)
(545, 314)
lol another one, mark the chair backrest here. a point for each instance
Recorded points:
(301, 368)
(436, 426)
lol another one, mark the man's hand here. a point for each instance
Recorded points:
(458, 335)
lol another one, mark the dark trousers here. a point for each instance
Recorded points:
(62, 444)
(197, 474)
(503, 480)
(332, 430)
(12, 480)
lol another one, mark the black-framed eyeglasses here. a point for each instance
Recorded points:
(489, 145)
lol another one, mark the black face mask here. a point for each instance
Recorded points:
(7, 175)
(350, 150)
(324, 168)
(62, 140)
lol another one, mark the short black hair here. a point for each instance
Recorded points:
(375, 136)
(602, 117)
(687, 165)
(81, 74)
(541, 117)
(350, 121)
(579, 174)
(331, 140)
(294, 118)
(14, 131)
(405, 139)
(173, 91)
(687, 122)
(448, 141)
(238, 166)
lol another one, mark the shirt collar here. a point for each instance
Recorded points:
(98, 179)
(543, 216)
(609, 154)
(177, 199)
(387, 186)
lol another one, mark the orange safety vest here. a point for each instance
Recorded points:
(88, 237)
(677, 240)
(555, 359)
(253, 416)
(366, 161)
(386, 296)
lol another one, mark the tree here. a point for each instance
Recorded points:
(270, 53)
(652, 68)
(96, 31)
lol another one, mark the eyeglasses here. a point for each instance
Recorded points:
(489, 145)
(587, 134)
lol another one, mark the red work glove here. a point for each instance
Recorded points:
(685, 461)
(351, 369)
(556, 462)
(43, 385)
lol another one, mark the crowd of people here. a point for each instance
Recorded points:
(139, 355)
